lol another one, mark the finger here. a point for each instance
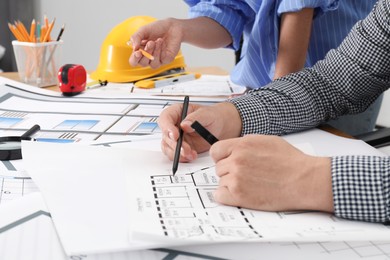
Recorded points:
(222, 195)
(169, 143)
(198, 113)
(170, 138)
(135, 41)
(149, 48)
(139, 38)
(186, 153)
(222, 168)
(163, 146)
(135, 57)
(157, 52)
(222, 149)
(169, 119)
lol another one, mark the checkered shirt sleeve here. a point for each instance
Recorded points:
(347, 81)
(361, 187)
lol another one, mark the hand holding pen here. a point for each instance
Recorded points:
(203, 132)
(181, 133)
(218, 121)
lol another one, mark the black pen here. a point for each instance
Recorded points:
(180, 140)
(60, 33)
(203, 132)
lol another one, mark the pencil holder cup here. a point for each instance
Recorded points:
(38, 63)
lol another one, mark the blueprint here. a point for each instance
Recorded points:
(166, 208)
(182, 207)
(69, 120)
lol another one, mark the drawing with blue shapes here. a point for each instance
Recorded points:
(146, 127)
(77, 124)
(8, 122)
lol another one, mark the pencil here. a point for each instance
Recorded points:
(48, 31)
(46, 20)
(147, 54)
(38, 34)
(15, 32)
(23, 31)
(32, 31)
(181, 133)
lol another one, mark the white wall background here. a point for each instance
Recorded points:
(384, 114)
(87, 22)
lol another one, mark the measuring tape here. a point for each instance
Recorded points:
(162, 81)
(73, 80)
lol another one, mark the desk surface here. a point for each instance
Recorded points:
(202, 70)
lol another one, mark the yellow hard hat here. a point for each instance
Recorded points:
(115, 53)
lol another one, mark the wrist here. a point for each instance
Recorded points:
(178, 27)
(181, 28)
(231, 120)
(319, 194)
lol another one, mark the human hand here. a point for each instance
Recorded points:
(161, 38)
(221, 119)
(267, 173)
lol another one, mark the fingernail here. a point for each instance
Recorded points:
(170, 135)
(187, 122)
(138, 55)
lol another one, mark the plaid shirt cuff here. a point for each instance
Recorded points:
(361, 187)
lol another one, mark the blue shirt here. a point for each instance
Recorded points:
(259, 21)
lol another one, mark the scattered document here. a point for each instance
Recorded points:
(27, 231)
(206, 85)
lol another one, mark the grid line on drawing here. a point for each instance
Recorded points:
(177, 209)
(348, 249)
(13, 114)
(12, 188)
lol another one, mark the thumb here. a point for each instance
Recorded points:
(196, 113)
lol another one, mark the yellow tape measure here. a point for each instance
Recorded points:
(162, 81)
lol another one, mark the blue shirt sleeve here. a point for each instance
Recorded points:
(232, 15)
(320, 6)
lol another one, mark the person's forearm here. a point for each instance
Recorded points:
(294, 37)
(347, 81)
(204, 32)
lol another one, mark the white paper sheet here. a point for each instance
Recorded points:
(88, 191)
(27, 233)
(86, 194)
(183, 207)
(205, 86)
